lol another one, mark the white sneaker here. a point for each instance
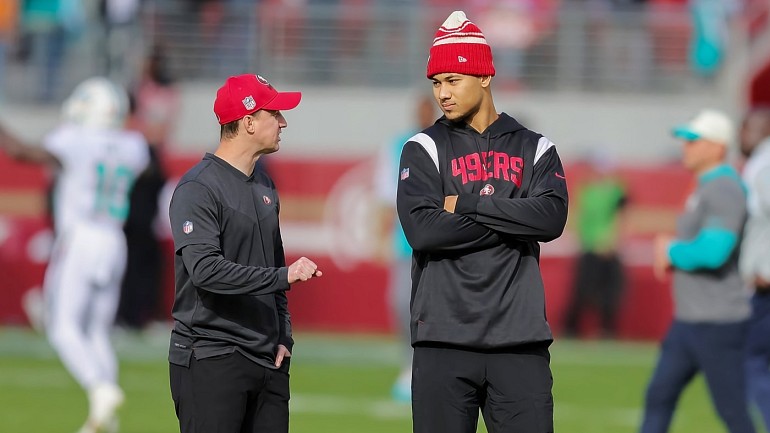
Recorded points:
(111, 427)
(103, 401)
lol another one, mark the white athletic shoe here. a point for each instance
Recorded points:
(103, 401)
(111, 427)
(402, 389)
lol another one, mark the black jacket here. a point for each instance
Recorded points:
(231, 274)
(476, 278)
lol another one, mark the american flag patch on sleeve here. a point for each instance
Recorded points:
(404, 173)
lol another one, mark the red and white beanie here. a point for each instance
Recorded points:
(460, 47)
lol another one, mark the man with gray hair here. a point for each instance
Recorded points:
(711, 308)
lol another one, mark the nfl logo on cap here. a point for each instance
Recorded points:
(249, 103)
(187, 227)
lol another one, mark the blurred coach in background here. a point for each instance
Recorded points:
(711, 308)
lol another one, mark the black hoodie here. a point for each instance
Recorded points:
(476, 279)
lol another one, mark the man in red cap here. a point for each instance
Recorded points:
(477, 193)
(231, 343)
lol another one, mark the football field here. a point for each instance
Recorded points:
(340, 384)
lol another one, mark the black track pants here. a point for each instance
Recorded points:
(230, 394)
(512, 388)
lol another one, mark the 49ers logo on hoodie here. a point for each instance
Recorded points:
(488, 165)
(487, 190)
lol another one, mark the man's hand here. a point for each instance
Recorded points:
(450, 202)
(303, 270)
(761, 285)
(283, 352)
(660, 260)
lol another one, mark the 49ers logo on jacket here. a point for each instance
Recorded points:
(488, 165)
(487, 190)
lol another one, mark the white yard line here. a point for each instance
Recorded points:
(337, 349)
(335, 404)
(388, 409)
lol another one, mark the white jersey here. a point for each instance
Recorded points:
(99, 168)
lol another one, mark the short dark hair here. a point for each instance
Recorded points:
(229, 130)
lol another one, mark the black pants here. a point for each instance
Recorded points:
(512, 388)
(230, 394)
(141, 292)
(598, 283)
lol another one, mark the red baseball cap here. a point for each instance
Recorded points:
(246, 94)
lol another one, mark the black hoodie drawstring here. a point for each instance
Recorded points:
(483, 158)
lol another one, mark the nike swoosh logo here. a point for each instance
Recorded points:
(560, 176)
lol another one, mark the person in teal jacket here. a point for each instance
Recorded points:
(396, 249)
(711, 307)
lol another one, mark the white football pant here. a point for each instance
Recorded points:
(82, 290)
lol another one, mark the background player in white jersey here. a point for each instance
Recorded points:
(96, 161)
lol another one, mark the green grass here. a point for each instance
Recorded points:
(339, 384)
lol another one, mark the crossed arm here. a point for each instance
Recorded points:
(435, 222)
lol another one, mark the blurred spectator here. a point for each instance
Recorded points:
(394, 245)
(711, 308)
(119, 20)
(391, 32)
(512, 27)
(619, 49)
(47, 25)
(755, 261)
(8, 17)
(155, 105)
(227, 35)
(209, 16)
(599, 276)
(239, 43)
(321, 49)
(710, 26)
(157, 98)
(210, 13)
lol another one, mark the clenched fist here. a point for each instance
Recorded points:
(302, 270)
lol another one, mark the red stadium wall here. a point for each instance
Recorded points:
(324, 216)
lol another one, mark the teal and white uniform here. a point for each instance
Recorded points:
(82, 282)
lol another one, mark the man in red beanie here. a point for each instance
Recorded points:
(231, 342)
(477, 193)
